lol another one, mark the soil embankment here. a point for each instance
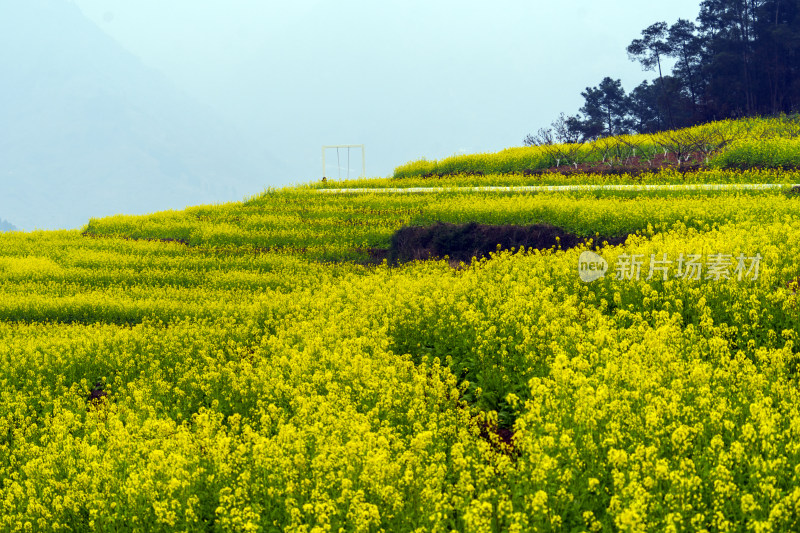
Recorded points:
(462, 242)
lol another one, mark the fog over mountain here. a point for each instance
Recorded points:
(86, 130)
(6, 226)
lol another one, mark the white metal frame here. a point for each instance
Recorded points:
(348, 146)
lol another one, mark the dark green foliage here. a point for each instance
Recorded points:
(741, 58)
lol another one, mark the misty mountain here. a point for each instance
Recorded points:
(87, 130)
(6, 226)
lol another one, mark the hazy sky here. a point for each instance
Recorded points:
(408, 79)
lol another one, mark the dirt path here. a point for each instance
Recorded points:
(557, 188)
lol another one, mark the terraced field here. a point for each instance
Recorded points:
(255, 366)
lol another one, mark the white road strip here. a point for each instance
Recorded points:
(556, 188)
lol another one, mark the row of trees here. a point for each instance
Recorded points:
(741, 58)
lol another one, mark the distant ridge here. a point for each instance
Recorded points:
(6, 226)
(89, 131)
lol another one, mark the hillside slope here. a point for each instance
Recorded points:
(228, 380)
(89, 130)
(744, 143)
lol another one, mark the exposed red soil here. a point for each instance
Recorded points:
(631, 165)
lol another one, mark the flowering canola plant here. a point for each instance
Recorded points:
(215, 370)
(741, 143)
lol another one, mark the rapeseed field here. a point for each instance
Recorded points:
(251, 366)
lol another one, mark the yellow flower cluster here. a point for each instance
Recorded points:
(221, 383)
(761, 136)
(778, 152)
(738, 174)
(341, 227)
